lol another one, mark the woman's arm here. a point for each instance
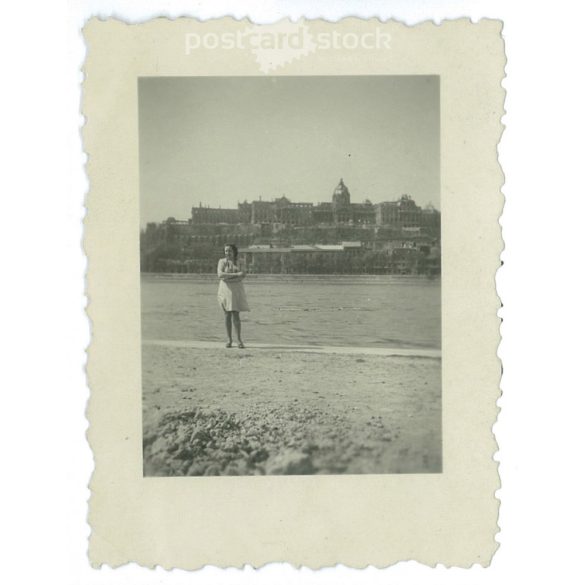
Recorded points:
(232, 276)
(240, 274)
(225, 275)
(220, 273)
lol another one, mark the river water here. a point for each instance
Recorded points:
(362, 311)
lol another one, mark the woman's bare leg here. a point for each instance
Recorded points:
(228, 325)
(238, 324)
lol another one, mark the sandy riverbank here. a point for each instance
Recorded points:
(272, 411)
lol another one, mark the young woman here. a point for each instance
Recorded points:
(231, 294)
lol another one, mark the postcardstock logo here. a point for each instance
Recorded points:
(276, 45)
(281, 43)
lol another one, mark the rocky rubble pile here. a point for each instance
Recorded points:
(289, 440)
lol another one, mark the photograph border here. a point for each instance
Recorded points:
(448, 518)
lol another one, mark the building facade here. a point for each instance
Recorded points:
(283, 236)
(403, 213)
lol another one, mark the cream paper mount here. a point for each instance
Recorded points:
(317, 520)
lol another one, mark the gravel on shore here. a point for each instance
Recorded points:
(246, 412)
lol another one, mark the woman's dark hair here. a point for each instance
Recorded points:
(234, 248)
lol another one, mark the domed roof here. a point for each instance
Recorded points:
(341, 189)
(341, 197)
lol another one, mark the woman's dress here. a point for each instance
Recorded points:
(231, 293)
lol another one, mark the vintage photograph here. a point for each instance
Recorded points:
(290, 259)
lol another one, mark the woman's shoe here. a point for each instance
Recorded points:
(228, 344)
(241, 345)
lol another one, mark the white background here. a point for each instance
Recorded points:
(45, 461)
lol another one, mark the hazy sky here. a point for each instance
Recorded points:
(220, 140)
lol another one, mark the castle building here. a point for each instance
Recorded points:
(403, 213)
(283, 236)
(344, 211)
(202, 215)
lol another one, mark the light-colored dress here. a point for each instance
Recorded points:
(231, 293)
